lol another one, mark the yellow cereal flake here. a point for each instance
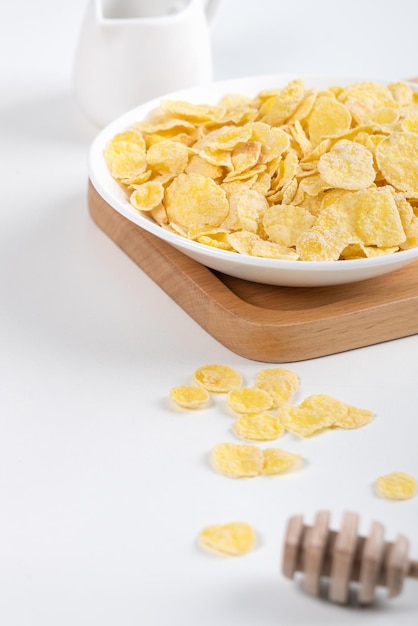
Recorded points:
(168, 157)
(376, 217)
(249, 400)
(190, 396)
(196, 113)
(327, 117)
(410, 124)
(354, 418)
(285, 103)
(397, 158)
(250, 207)
(279, 382)
(195, 200)
(331, 233)
(232, 539)
(291, 173)
(274, 141)
(258, 427)
(284, 224)
(277, 461)
(396, 486)
(348, 165)
(314, 414)
(246, 155)
(147, 196)
(218, 378)
(125, 156)
(237, 460)
(272, 250)
(198, 165)
(370, 93)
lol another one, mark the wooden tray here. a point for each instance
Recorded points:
(270, 324)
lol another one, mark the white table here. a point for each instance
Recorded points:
(103, 487)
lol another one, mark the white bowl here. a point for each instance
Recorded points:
(261, 270)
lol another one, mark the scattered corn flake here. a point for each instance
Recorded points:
(315, 413)
(218, 378)
(249, 400)
(277, 461)
(354, 418)
(279, 382)
(237, 460)
(190, 396)
(258, 427)
(232, 539)
(396, 486)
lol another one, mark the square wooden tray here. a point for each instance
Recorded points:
(264, 323)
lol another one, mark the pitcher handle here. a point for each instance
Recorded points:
(211, 8)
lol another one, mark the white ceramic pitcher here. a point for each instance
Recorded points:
(131, 51)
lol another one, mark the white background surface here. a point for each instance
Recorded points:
(103, 487)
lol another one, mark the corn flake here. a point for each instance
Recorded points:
(237, 460)
(217, 378)
(396, 486)
(284, 224)
(279, 382)
(195, 200)
(277, 461)
(258, 427)
(348, 165)
(315, 413)
(189, 396)
(125, 156)
(328, 117)
(397, 158)
(147, 196)
(168, 157)
(232, 539)
(249, 400)
(354, 418)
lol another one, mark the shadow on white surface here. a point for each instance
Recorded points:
(280, 602)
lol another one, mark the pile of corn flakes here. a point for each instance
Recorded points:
(293, 173)
(264, 412)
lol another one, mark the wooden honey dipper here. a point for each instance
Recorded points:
(345, 557)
